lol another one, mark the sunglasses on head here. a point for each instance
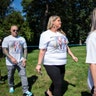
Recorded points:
(15, 30)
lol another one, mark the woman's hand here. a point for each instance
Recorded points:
(75, 59)
(38, 68)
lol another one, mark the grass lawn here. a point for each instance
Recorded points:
(75, 81)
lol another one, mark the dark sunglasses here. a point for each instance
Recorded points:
(15, 30)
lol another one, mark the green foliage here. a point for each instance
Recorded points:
(1, 33)
(14, 18)
(74, 14)
(5, 7)
(10, 17)
(26, 32)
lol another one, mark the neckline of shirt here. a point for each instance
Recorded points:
(53, 32)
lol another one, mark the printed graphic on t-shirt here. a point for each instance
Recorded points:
(15, 47)
(58, 42)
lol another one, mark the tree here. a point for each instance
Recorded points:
(74, 15)
(5, 7)
(8, 17)
(15, 18)
(81, 19)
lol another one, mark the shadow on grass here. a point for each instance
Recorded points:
(65, 86)
(4, 77)
(31, 81)
(85, 93)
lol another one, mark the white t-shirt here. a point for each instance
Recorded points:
(56, 46)
(15, 47)
(91, 55)
(91, 48)
(90, 80)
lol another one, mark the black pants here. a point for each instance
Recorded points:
(56, 73)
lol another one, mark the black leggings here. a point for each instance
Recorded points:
(56, 73)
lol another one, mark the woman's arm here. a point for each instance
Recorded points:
(40, 59)
(72, 55)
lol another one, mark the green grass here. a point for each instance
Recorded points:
(75, 81)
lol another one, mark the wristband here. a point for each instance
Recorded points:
(39, 64)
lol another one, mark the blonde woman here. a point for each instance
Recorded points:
(53, 54)
(91, 54)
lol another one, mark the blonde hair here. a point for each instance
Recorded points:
(50, 23)
(93, 20)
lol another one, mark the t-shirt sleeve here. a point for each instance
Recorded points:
(91, 49)
(43, 42)
(66, 39)
(25, 44)
(5, 43)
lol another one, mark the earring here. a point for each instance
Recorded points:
(54, 26)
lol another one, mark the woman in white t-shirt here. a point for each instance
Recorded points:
(53, 54)
(91, 54)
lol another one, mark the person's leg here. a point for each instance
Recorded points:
(24, 80)
(11, 71)
(51, 88)
(62, 71)
(55, 73)
(62, 77)
(93, 72)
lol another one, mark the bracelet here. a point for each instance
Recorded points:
(39, 64)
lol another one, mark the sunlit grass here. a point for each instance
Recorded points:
(75, 81)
